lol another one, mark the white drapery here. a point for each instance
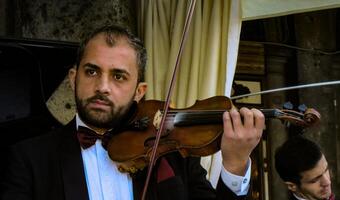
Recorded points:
(203, 68)
(209, 58)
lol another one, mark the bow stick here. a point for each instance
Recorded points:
(168, 97)
(286, 88)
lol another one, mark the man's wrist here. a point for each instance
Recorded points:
(238, 184)
(238, 167)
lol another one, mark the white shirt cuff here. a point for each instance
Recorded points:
(237, 184)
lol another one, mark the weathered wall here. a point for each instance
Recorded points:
(67, 20)
(317, 66)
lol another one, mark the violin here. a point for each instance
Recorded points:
(193, 131)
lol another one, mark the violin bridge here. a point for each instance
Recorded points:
(157, 119)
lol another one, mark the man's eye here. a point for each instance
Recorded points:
(313, 181)
(118, 77)
(91, 72)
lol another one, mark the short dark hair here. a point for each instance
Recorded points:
(295, 156)
(113, 33)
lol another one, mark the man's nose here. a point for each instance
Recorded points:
(325, 179)
(103, 85)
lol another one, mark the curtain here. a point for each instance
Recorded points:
(208, 61)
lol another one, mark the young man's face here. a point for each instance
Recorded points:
(106, 82)
(315, 183)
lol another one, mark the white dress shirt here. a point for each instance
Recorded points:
(104, 181)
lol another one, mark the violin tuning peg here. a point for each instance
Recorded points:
(302, 108)
(288, 105)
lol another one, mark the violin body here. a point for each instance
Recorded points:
(191, 131)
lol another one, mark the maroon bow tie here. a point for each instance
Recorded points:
(88, 137)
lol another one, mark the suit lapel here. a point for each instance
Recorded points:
(72, 165)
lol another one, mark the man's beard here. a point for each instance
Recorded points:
(99, 118)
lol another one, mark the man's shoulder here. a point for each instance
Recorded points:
(45, 140)
(291, 196)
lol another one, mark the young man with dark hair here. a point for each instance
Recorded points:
(304, 169)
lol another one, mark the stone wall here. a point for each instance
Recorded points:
(317, 66)
(310, 58)
(65, 20)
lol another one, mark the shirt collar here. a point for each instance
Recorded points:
(298, 198)
(79, 122)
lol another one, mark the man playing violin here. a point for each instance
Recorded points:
(66, 164)
(304, 169)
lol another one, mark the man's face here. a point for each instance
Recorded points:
(315, 183)
(105, 83)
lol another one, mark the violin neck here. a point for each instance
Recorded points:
(271, 113)
(189, 118)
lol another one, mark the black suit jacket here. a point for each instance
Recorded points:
(51, 167)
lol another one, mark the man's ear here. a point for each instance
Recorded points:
(72, 76)
(140, 91)
(291, 186)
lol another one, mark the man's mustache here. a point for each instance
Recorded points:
(101, 98)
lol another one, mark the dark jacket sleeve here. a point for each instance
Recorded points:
(32, 171)
(223, 192)
(17, 179)
(196, 183)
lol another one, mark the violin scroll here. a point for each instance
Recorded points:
(312, 116)
(304, 119)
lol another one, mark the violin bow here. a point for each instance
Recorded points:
(168, 97)
(286, 88)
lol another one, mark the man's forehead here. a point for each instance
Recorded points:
(100, 41)
(110, 39)
(316, 171)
